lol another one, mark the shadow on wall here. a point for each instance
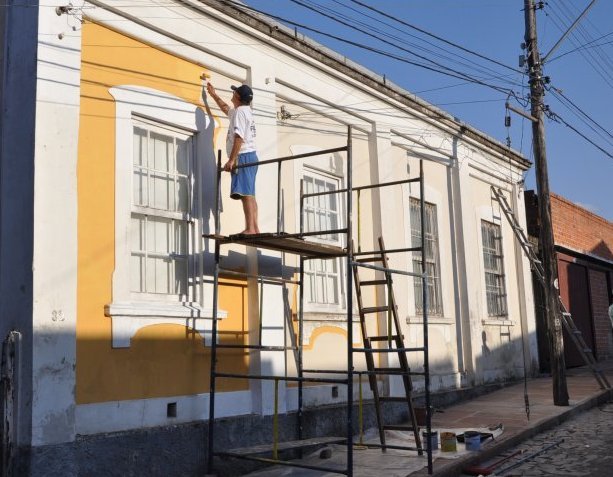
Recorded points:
(502, 358)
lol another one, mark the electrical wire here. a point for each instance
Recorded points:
(336, 19)
(421, 30)
(404, 32)
(585, 53)
(563, 99)
(582, 31)
(371, 49)
(558, 118)
(585, 45)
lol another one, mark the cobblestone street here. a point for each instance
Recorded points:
(587, 450)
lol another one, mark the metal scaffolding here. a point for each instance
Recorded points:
(295, 243)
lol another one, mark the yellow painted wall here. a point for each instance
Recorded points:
(163, 360)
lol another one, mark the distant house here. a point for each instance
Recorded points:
(107, 183)
(584, 246)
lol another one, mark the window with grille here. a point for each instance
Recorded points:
(433, 280)
(322, 213)
(494, 270)
(159, 222)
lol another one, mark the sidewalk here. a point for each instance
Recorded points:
(507, 406)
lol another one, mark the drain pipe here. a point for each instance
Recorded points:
(9, 389)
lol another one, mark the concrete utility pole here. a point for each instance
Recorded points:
(548, 254)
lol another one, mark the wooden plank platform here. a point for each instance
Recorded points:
(281, 446)
(282, 243)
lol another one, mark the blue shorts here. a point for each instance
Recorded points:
(243, 181)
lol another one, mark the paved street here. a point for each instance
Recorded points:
(587, 449)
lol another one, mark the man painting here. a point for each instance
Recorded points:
(241, 151)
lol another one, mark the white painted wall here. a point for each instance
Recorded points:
(55, 229)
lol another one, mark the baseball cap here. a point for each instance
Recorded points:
(245, 93)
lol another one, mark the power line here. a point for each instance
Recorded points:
(584, 46)
(586, 54)
(421, 30)
(336, 19)
(558, 118)
(558, 94)
(582, 30)
(404, 32)
(369, 48)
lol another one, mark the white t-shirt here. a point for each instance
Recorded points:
(241, 123)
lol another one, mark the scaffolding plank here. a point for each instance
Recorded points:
(282, 243)
(281, 446)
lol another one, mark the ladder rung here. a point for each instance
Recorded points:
(587, 350)
(375, 309)
(384, 338)
(398, 427)
(390, 371)
(369, 259)
(373, 282)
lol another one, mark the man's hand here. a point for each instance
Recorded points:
(211, 90)
(228, 166)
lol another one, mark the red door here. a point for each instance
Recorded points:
(575, 294)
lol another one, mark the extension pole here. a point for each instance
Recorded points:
(548, 254)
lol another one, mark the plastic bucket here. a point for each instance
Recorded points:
(472, 439)
(433, 439)
(448, 442)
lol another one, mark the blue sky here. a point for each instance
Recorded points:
(495, 28)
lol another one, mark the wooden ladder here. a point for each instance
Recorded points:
(566, 318)
(394, 341)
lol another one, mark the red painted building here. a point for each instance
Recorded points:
(584, 246)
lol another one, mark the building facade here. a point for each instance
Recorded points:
(107, 184)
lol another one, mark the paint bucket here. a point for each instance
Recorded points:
(472, 439)
(433, 439)
(448, 442)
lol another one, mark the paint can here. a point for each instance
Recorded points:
(433, 439)
(472, 439)
(448, 442)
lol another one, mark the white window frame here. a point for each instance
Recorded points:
(324, 167)
(327, 239)
(186, 218)
(130, 312)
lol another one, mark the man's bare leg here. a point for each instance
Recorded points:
(250, 208)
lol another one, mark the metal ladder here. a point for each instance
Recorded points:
(395, 345)
(567, 319)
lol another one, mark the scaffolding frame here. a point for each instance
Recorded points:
(294, 243)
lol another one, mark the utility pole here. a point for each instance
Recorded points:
(548, 254)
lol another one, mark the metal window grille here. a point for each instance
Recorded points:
(433, 280)
(494, 269)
